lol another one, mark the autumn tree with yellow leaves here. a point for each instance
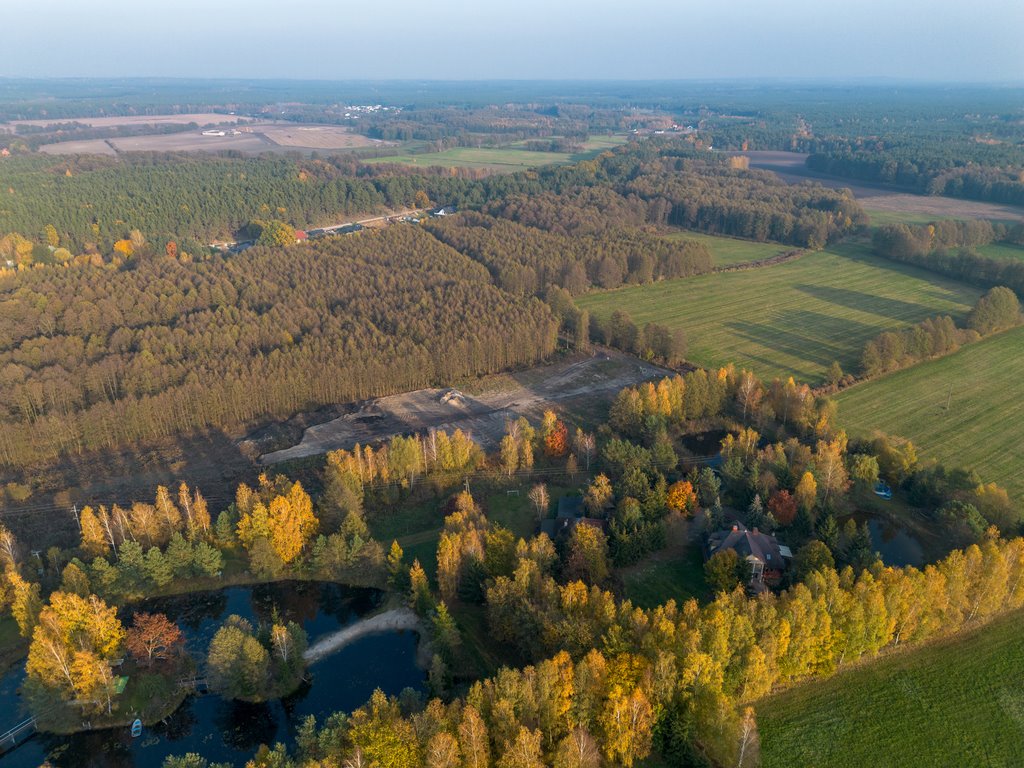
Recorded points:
(278, 513)
(72, 648)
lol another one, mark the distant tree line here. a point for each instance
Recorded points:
(947, 247)
(967, 169)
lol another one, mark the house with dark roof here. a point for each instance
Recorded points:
(768, 558)
(570, 514)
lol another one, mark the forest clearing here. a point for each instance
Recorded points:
(572, 383)
(730, 251)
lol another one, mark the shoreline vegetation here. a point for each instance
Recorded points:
(161, 704)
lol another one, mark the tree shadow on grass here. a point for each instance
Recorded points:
(812, 337)
(883, 306)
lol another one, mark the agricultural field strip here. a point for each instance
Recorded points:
(982, 429)
(498, 157)
(729, 251)
(1002, 251)
(791, 319)
(939, 705)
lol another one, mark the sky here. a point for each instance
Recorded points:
(919, 40)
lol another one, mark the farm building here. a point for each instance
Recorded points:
(767, 557)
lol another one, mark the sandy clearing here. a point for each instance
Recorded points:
(389, 621)
(190, 142)
(527, 393)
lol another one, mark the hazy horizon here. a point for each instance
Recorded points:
(912, 41)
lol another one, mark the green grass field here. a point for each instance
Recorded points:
(655, 582)
(727, 251)
(955, 703)
(983, 428)
(791, 319)
(508, 159)
(1004, 251)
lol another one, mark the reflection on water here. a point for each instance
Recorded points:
(230, 731)
(894, 543)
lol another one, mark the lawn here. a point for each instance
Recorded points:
(983, 427)
(791, 319)
(726, 251)
(655, 581)
(959, 702)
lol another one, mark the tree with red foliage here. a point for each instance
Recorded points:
(556, 435)
(153, 636)
(782, 505)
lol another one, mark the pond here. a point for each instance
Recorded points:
(703, 448)
(231, 731)
(897, 546)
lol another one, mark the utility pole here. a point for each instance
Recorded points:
(949, 396)
(74, 513)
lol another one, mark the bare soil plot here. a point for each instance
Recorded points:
(316, 137)
(191, 142)
(85, 147)
(790, 167)
(565, 385)
(199, 118)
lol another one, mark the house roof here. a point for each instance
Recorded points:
(570, 506)
(761, 546)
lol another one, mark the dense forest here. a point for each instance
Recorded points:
(91, 202)
(147, 338)
(525, 260)
(97, 358)
(970, 169)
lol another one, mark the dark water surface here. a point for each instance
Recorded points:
(897, 546)
(231, 731)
